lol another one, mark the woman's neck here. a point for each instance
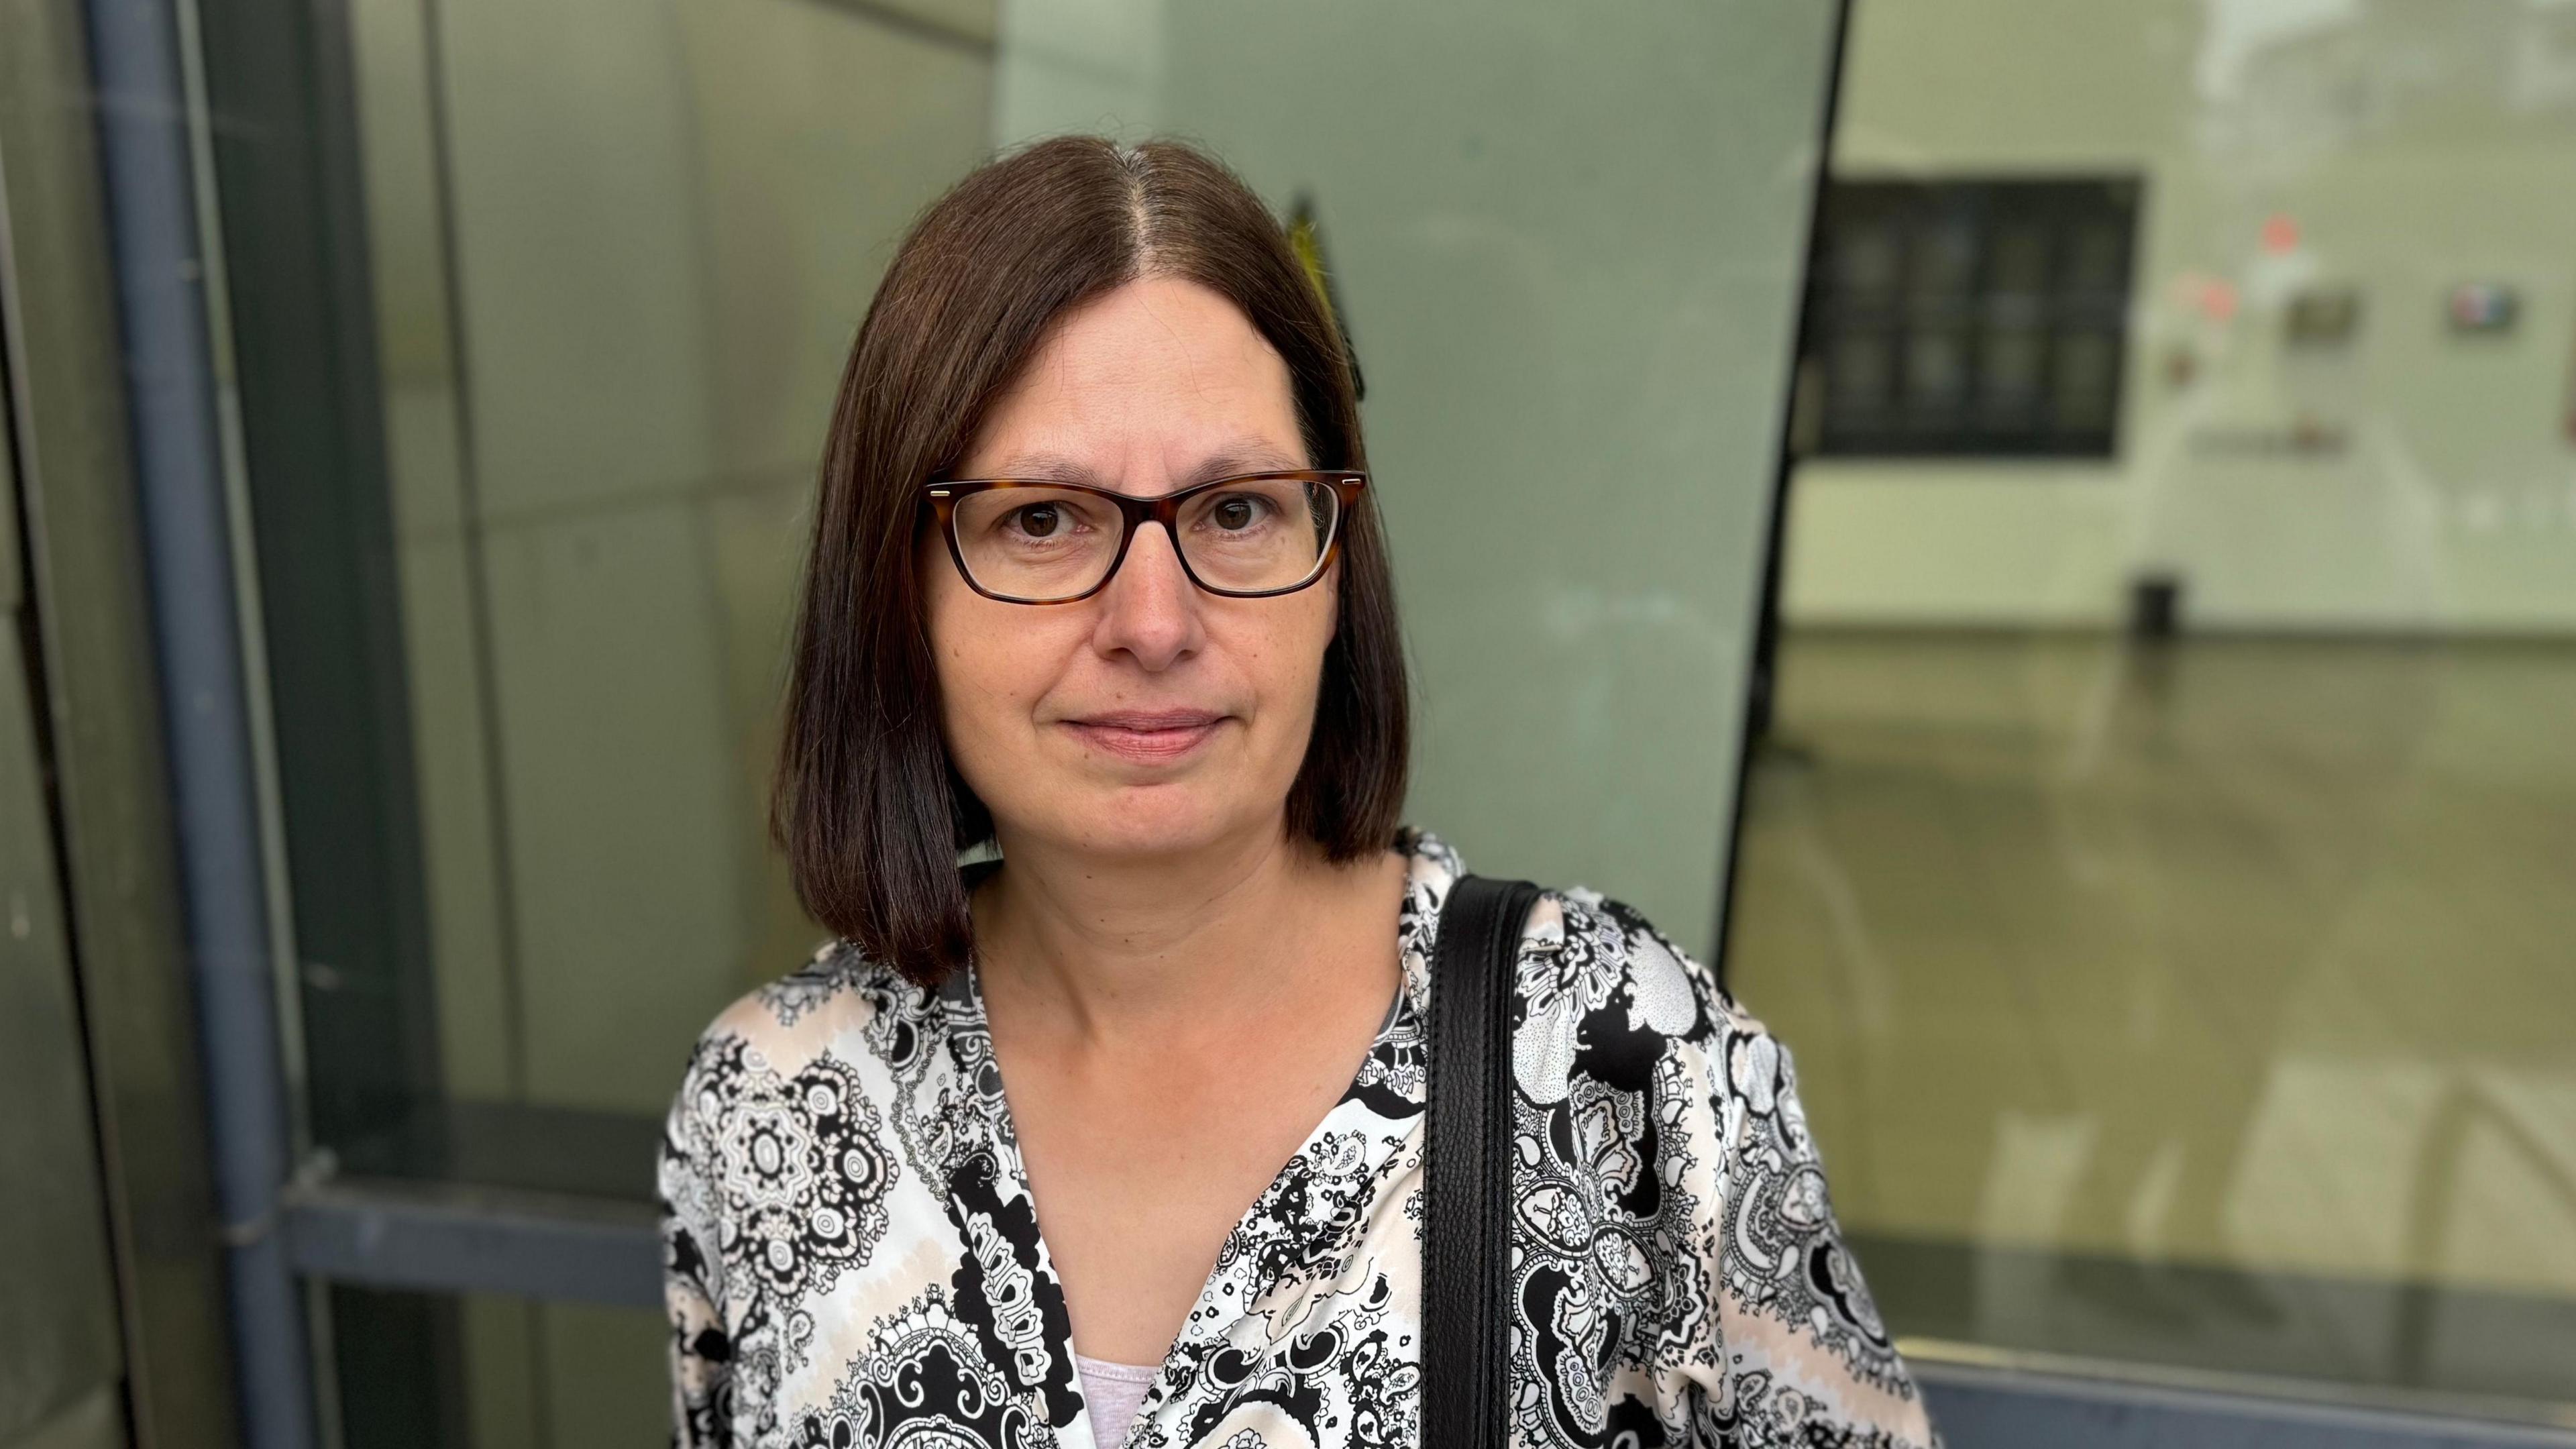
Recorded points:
(1115, 951)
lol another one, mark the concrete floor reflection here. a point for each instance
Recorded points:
(2241, 954)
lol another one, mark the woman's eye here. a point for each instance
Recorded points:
(1236, 514)
(1038, 520)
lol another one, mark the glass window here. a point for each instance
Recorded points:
(613, 260)
(483, 1371)
(2157, 862)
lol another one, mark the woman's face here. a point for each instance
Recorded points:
(1151, 717)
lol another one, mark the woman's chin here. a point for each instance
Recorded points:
(1146, 821)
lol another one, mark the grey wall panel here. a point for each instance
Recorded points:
(67, 426)
(58, 1336)
(95, 1422)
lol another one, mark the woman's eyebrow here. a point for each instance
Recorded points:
(1046, 468)
(1241, 458)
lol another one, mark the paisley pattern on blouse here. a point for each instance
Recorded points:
(852, 1255)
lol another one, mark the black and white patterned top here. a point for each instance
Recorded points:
(852, 1257)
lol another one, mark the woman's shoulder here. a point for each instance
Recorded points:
(838, 1004)
(1616, 995)
(1604, 993)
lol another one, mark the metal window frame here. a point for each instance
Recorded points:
(2005, 1400)
(438, 1237)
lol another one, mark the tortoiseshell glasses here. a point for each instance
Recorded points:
(1246, 537)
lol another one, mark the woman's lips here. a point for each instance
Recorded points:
(1147, 736)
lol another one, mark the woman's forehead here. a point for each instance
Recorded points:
(1161, 338)
(1161, 377)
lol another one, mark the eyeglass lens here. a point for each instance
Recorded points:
(1052, 543)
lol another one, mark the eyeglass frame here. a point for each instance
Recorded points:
(941, 494)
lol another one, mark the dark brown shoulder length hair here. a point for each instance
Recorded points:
(865, 802)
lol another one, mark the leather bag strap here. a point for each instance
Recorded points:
(1467, 1249)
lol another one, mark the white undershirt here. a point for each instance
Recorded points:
(1113, 1391)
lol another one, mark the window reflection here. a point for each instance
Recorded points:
(2155, 857)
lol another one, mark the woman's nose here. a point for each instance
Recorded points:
(1150, 609)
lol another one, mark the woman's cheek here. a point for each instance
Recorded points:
(983, 703)
(1006, 675)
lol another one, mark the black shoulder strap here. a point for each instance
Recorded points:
(1467, 1250)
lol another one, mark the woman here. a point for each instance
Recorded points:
(1095, 578)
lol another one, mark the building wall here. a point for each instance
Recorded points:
(2414, 146)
